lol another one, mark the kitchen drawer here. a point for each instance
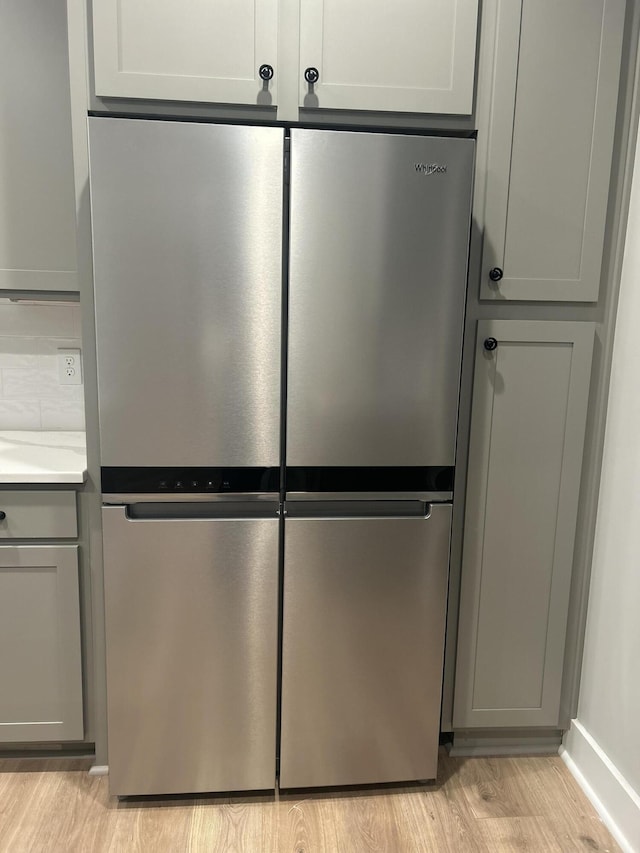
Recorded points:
(38, 515)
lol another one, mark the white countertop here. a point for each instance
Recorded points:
(30, 456)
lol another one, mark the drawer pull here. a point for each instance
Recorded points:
(3, 515)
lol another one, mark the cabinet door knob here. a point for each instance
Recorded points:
(311, 75)
(266, 72)
(490, 344)
(495, 274)
(3, 515)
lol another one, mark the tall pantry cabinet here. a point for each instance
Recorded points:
(552, 111)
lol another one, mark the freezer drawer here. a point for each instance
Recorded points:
(378, 269)
(363, 635)
(191, 632)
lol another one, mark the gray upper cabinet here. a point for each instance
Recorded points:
(550, 137)
(413, 56)
(40, 657)
(37, 197)
(530, 401)
(205, 51)
(416, 56)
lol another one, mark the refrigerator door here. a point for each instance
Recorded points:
(187, 231)
(363, 636)
(192, 645)
(378, 267)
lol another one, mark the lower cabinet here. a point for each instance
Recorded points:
(40, 646)
(530, 397)
(40, 658)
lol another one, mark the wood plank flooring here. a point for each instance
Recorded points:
(477, 804)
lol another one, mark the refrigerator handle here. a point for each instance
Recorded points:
(416, 511)
(140, 513)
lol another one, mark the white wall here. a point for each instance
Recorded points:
(31, 396)
(604, 743)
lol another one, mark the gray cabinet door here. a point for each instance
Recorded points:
(552, 122)
(527, 432)
(410, 57)
(205, 51)
(40, 662)
(37, 200)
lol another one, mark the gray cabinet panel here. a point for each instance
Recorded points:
(169, 49)
(549, 151)
(38, 515)
(530, 401)
(40, 661)
(37, 201)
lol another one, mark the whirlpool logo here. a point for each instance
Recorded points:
(430, 168)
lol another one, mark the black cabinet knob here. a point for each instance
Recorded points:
(311, 75)
(3, 515)
(495, 274)
(490, 344)
(265, 72)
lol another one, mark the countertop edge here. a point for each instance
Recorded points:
(49, 479)
(43, 458)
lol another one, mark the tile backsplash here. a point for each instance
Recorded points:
(31, 396)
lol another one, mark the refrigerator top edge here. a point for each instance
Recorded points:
(464, 138)
(292, 127)
(95, 119)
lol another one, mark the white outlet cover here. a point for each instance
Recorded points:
(69, 367)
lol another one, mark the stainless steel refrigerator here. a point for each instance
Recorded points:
(279, 322)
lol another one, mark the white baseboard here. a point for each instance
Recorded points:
(612, 796)
(99, 770)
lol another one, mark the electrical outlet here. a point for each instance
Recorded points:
(69, 367)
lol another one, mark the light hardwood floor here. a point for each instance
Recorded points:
(478, 804)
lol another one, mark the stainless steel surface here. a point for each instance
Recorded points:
(428, 497)
(377, 286)
(358, 508)
(191, 628)
(187, 225)
(185, 497)
(363, 634)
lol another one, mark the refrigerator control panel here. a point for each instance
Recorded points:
(432, 478)
(189, 480)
